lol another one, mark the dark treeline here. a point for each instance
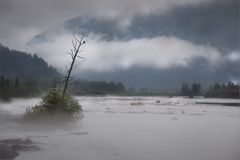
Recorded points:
(229, 90)
(194, 90)
(20, 87)
(15, 87)
(84, 87)
(20, 64)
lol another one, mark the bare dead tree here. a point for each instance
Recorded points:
(77, 42)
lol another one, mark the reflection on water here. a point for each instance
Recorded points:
(129, 128)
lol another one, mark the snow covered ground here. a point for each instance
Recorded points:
(131, 128)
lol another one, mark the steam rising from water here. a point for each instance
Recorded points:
(172, 128)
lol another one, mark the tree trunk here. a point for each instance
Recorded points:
(77, 43)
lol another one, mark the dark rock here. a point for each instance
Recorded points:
(9, 147)
(233, 104)
(17, 141)
(137, 103)
(7, 153)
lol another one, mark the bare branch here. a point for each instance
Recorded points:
(80, 57)
(76, 44)
(77, 39)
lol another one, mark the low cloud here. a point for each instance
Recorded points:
(20, 17)
(101, 55)
(233, 56)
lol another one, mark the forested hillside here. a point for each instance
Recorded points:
(20, 64)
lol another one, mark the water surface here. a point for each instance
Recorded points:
(130, 128)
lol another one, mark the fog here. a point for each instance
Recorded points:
(127, 48)
(102, 55)
(112, 128)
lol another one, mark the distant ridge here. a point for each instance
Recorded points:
(15, 63)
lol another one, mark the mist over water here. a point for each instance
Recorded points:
(129, 128)
(140, 50)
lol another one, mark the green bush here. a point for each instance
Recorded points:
(54, 103)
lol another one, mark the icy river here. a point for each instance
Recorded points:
(130, 128)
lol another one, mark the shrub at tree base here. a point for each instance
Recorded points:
(54, 103)
(61, 102)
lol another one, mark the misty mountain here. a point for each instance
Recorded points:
(20, 64)
(163, 80)
(214, 24)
